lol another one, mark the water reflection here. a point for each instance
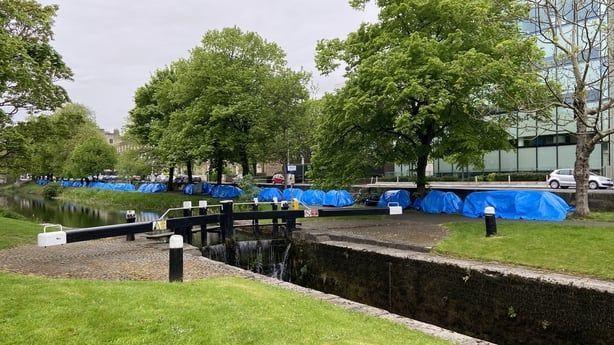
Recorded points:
(67, 213)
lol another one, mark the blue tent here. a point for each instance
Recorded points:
(152, 188)
(399, 196)
(338, 198)
(512, 204)
(441, 202)
(188, 189)
(207, 188)
(290, 194)
(417, 204)
(313, 197)
(226, 192)
(267, 194)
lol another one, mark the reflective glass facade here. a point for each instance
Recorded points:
(543, 147)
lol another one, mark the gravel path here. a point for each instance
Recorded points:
(108, 259)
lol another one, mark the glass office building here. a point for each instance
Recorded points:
(543, 147)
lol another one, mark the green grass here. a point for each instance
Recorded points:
(15, 232)
(601, 216)
(575, 249)
(212, 311)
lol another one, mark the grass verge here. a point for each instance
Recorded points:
(575, 249)
(601, 216)
(212, 311)
(15, 232)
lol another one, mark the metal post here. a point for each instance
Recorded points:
(226, 221)
(175, 258)
(130, 218)
(202, 211)
(285, 207)
(255, 223)
(274, 220)
(491, 221)
(187, 231)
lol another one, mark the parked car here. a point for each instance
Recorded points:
(563, 178)
(278, 179)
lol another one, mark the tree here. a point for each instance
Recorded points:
(426, 80)
(90, 157)
(234, 93)
(51, 139)
(132, 162)
(578, 31)
(149, 120)
(29, 66)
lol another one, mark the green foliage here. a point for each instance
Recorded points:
(569, 248)
(29, 65)
(132, 163)
(249, 187)
(51, 191)
(232, 100)
(91, 157)
(225, 310)
(425, 81)
(51, 139)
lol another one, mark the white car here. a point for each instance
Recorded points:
(563, 178)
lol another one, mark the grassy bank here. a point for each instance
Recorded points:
(212, 311)
(576, 249)
(15, 232)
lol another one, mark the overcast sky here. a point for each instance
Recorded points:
(113, 46)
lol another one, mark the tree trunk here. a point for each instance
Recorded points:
(581, 174)
(171, 177)
(189, 168)
(244, 164)
(421, 164)
(219, 170)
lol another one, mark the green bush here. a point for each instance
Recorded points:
(52, 190)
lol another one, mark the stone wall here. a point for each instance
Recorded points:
(491, 305)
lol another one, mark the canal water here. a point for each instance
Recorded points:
(68, 214)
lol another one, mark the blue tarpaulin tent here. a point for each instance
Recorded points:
(394, 196)
(441, 202)
(290, 194)
(207, 188)
(512, 204)
(267, 194)
(225, 192)
(188, 189)
(338, 198)
(313, 197)
(152, 188)
(417, 204)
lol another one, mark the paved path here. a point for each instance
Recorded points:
(413, 230)
(108, 259)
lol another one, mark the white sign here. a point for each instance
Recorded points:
(311, 212)
(291, 167)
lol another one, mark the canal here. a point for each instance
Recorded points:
(68, 214)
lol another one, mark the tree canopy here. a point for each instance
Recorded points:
(426, 80)
(229, 100)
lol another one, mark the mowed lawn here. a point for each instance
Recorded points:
(212, 311)
(14, 232)
(568, 248)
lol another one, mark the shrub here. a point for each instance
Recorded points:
(52, 190)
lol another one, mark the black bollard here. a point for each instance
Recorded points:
(130, 218)
(491, 221)
(285, 206)
(175, 258)
(202, 211)
(187, 231)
